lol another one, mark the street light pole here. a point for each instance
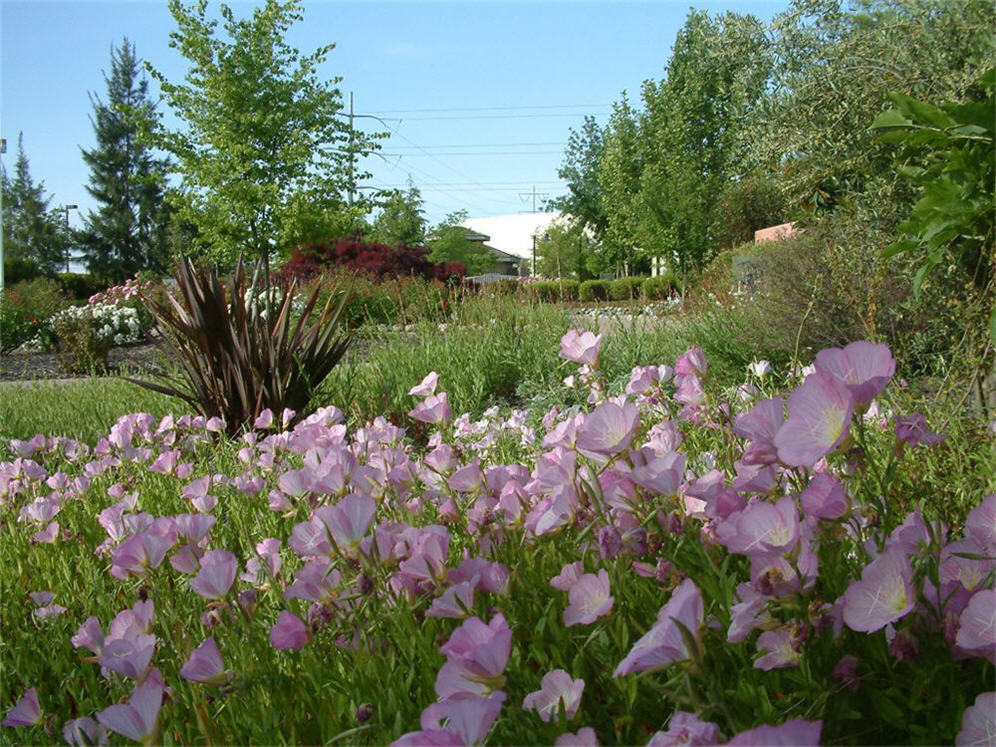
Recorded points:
(66, 209)
(3, 149)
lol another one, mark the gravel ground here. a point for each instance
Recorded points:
(34, 366)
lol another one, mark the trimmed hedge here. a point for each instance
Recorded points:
(554, 291)
(624, 289)
(594, 290)
(659, 287)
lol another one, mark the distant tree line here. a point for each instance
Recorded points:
(753, 124)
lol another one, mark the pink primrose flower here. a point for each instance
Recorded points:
(608, 429)
(580, 346)
(310, 538)
(912, 429)
(288, 633)
(205, 665)
(977, 625)
(589, 599)
(794, 733)
(661, 474)
(139, 718)
(128, 655)
(434, 409)
(468, 717)
(348, 521)
(978, 722)
(780, 648)
(476, 656)
(760, 426)
(684, 728)
(747, 614)
(762, 527)
(819, 418)
(568, 576)
(865, 369)
(456, 602)
(426, 387)
(83, 732)
(883, 595)
(217, 574)
(824, 497)
(491, 577)
(193, 527)
(556, 689)
(46, 536)
(584, 737)
(468, 478)
(316, 581)
(980, 524)
(26, 712)
(664, 643)
(691, 363)
(139, 554)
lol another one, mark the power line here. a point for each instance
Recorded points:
(506, 116)
(478, 153)
(488, 145)
(492, 108)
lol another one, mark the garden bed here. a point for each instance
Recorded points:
(35, 365)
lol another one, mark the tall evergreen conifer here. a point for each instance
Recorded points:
(127, 232)
(32, 231)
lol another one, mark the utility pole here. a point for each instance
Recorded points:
(66, 209)
(352, 186)
(534, 195)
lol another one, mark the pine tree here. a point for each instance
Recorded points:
(32, 231)
(401, 221)
(127, 232)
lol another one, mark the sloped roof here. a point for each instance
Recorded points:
(513, 233)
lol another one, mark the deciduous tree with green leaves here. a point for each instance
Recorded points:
(563, 251)
(948, 151)
(692, 133)
(448, 242)
(584, 199)
(266, 155)
(128, 230)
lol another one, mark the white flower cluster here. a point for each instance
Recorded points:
(119, 324)
(263, 298)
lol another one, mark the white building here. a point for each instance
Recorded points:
(516, 233)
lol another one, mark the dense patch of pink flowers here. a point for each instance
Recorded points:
(369, 518)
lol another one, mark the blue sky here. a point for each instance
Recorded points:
(479, 97)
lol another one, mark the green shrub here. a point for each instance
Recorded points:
(833, 285)
(569, 289)
(544, 290)
(659, 287)
(625, 289)
(81, 287)
(81, 345)
(594, 290)
(503, 287)
(25, 309)
(17, 270)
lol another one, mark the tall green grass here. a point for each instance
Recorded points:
(82, 409)
(482, 357)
